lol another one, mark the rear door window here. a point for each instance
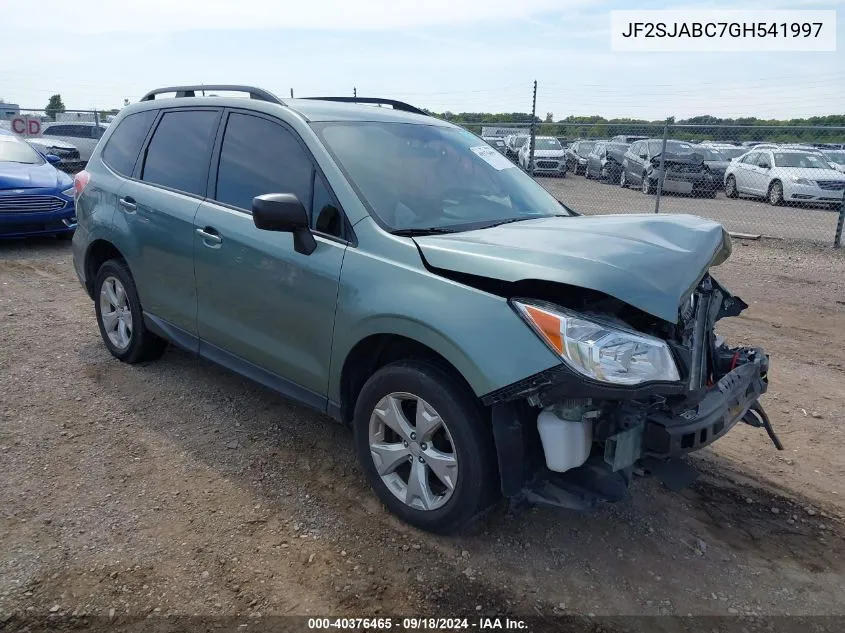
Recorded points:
(179, 151)
(125, 143)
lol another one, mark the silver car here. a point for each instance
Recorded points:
(785, 175)
(548, 156)
(84, 135)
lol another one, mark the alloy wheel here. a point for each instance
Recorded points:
(116, 313)
(413, 451)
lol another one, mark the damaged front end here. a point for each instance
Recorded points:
(626, 399)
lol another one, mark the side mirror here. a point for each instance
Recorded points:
(52, 159)
(283, 212)
(765, 166)
(644, 156)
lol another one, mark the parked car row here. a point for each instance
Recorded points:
(778, 173)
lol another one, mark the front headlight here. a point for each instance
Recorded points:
(69, 193)
(801, 181)
(599, 350)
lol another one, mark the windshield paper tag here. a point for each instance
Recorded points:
(491, 157)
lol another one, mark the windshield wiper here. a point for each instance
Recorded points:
(431, 230)
(530, 217)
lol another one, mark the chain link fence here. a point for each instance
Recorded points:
(772, 181)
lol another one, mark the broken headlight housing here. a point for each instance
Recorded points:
(600, 350)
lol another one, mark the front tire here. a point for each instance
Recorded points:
(647, 186)
(424, 446)
(623, 179)
(120, 318)
(776, 193)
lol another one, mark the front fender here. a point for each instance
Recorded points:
(477, 332)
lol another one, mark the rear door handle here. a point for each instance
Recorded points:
(128, 204)
(210, 236)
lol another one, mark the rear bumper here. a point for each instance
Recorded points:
(723, 405)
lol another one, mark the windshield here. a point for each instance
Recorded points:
(584, 149)
(800, 159)
(711, 154)
(679, 148)
(836, 157)
(546, 143)
(430, 177)
(519, 141)
(14, 151)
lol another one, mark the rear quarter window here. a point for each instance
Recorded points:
(124, 145)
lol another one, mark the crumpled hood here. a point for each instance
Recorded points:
(651, 262)
(21, 176)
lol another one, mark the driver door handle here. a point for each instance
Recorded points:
(210, 237)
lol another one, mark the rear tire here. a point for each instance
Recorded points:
(442, 498)
(120, 318)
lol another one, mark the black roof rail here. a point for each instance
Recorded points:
(190, 91)
(397, 105)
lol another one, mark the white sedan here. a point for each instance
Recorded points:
(784, 175)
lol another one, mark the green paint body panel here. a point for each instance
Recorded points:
(298, 316)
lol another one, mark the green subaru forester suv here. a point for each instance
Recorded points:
(397, 273)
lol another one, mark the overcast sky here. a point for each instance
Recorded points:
(458, 55)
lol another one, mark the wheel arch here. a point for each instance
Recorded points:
(98, 252)
(375, 351)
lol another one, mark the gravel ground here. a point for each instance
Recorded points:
(745, 215)
(178, 488)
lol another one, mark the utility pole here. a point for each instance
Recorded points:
(533, 130)
(291, 93)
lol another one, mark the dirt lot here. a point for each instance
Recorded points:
(815, 223)
(178, 488)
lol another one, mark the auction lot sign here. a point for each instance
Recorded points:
(26, 126)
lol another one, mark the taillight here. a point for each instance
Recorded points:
(80, 181)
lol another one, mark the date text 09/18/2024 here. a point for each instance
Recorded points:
(485, 623)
